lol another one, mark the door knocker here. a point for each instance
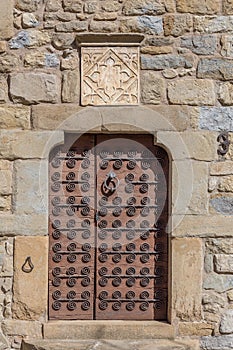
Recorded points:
(110, 179)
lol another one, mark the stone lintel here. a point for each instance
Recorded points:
(117, 39)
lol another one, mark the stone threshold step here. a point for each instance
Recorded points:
(151, 344)
(114, 330)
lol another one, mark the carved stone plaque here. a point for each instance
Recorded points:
(110, 75)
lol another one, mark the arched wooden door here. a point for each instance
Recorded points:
(108, 251)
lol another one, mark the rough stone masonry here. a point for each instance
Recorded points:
(186, 73)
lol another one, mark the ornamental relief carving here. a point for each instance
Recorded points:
(109, 75)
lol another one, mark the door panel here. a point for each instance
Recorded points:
(72, 232)
(115, 188)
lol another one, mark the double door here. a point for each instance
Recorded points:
(108, 245)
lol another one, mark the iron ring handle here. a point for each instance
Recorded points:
(110, 176)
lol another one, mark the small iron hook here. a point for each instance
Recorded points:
(28, 265)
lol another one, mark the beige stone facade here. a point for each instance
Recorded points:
(169, 73)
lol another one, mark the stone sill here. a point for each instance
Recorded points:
(99, 329)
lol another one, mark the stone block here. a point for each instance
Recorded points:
(195, 329)
(206, 226)
(189, 192)
(14, 117)
(226, 94)
(152, 88)
(32, 329)
(106, 16)
(6, 257)
(156, 50)
(73, 26)
(31, 187)
(200, 44)
(178, 24)
(62, 41)
(190, 144)
(66, 117)
(5, 203)
(158, 41)
(221, 245)
(230, 296)
(51, 60)
(213, 302)
(223, 342)
(226, 184)
(111, 6)
(3, 90)
(151, 119)
(215, 68)
(29, 38)
(103, 329)
(143, 7)
(195, 92)
(28, 225)
(4, 341)
(216, 118)
(208, 263)
(6, 19)
(110, 344)
(195, 6)
(187, 261)
(5, 182)
(28, 305)
(30, 88)
(227, 46)
(223, 264)
(170, 5)
(213, 24)
(91, 7)
(53, 5)
(29, 20)
(150, 24)
(71, 62)
(228, 7)
(170, 73)
(223, 205)
(3, 46)
(161, 62)
(73, 5)
(70, 86)
(226, 324)
(217, 282)
(213, 183)
(28, 5)
(142, 24)
(38, 145)
(221, 168)
(8, 62)
(34, 59)
(229, 155)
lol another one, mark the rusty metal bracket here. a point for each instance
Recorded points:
(224, 143)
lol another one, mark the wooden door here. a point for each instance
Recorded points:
(108, 255)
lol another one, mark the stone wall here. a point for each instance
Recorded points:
(186, 79)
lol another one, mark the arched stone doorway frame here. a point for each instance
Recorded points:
(140, 120)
